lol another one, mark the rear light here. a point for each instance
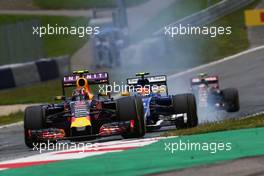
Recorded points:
(132, 123)
(215, 87)
(29, 133)
(66, 107)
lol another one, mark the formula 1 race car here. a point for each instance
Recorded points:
(160, 108)
(209, 96)
(84, 116)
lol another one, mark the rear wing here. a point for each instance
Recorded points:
(212, 80)
(153, 80)
(93, 78)
(160, 80)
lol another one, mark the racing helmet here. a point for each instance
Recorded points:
(202, 77)
(79, 94)
(143, 82)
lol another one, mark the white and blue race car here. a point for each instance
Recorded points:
(162, 109)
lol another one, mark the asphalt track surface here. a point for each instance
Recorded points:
(12, 142)
(243, 71)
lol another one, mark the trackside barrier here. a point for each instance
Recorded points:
(17, 75)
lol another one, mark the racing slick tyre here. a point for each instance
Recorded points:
(231, 98)
(185, 103)
(131, 109)
(33, 120)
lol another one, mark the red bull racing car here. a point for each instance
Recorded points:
(210, 96)
(83, 115)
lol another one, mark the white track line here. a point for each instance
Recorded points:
(6, 110)
(12, 125)
(216, 62)
(173, 76)
(95, 149)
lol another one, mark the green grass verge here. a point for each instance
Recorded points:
(12, 118)
(38, 93)
(54, 45)
(219, 48)
(176, 11)
(81, 4)
(226, 125)
(64, 44)
(44, 92)
(192, 51)
(223, 46)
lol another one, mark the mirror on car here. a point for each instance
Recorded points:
(103, 94)
(60, 97)
(125, 94)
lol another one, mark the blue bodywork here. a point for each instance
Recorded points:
(151, 100)
(154, 93)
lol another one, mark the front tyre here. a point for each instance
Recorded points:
(131, 109)
(33, 120)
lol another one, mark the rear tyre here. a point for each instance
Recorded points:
(231, 98)
(33, 120)
(131, 109)
(185, 104)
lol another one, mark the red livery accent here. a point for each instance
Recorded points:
(132, 123)
(262, 16)
(25, 164)
(113, 130)
(97, 150)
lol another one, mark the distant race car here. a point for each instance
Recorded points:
(84, 116)
(160, 108)
(210, 96)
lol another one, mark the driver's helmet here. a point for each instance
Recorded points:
(143, 82)
(143, 91)
(203, 81)
(202, 77)
(79, 94)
